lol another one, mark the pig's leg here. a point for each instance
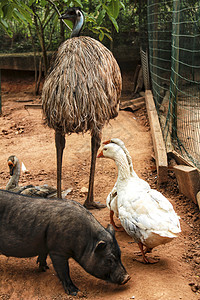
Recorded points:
(42, 262)
(61, 267)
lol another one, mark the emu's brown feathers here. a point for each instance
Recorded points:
(82, 91)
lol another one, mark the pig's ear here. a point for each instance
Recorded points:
(100, 246)
(111, 229)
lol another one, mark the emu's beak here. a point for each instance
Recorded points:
(62, 17)
(65, 15)
(107, 142)
(100, 154)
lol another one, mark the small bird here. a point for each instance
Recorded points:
(145, 214)
(81, 93)
(29, 190)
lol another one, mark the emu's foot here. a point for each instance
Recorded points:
(94, 205)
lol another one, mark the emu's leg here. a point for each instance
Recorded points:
(89, 202)
(60, 145)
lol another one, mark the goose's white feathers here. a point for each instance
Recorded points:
(146, 215)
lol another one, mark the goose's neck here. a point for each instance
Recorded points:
(78, 26)
(123, 168)
(14, 179)
(129, 159)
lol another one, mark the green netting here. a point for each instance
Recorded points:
(174, 57)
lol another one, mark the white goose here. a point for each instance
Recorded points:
(145, 214)
(30, 190)
(111, 200)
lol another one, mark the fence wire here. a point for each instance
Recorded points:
(174, 57)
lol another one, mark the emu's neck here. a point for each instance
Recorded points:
(77, 26)
(14, 179)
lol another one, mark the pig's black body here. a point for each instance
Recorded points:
(63, 229)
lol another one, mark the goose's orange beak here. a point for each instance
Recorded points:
(11, 167)
(100, 154)
(107, 142)
(10, 163)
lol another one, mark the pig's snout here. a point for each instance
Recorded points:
(126, 279)
(120, 278)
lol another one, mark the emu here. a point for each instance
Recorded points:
(81, 93)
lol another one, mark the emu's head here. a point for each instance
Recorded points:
(75, 15)
(72, 14)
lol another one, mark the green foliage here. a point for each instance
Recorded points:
(11, 10)
(35, 23)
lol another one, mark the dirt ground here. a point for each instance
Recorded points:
(22, 132)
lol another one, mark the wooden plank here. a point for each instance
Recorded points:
(33, 106)
(158, 142)
(134, 100)
(179, 159)
(188, 179)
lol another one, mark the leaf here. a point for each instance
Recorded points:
(121, 4)
(7, 11)
(3, 2)
(43, 3)
(114, 23)
(101, 36)
(31, 2)
(105, 29)
(108, 36)
(4, 23)
(18, 16)
(78, 3)
(27, 8)
(69, 23)
(5, 26)
(26, 15)
(101, 16)
(98, 7)
(113, 8)
(21, 5)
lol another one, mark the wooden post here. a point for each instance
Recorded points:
(158, 142)
(175, 54)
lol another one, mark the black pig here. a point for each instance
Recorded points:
(63, 229)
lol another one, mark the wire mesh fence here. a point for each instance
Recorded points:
(174, 57)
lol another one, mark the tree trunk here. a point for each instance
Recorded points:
(62, 32)
(40, 34)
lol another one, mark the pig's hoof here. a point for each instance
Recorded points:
(43, 268)
(72, 290)
(94, 205)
